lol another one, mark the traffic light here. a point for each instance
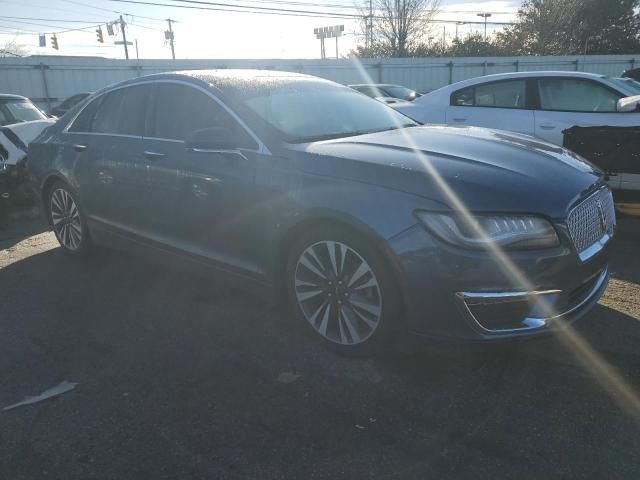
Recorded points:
(99, 34)
(54, 42)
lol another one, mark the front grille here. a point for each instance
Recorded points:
(591, 219)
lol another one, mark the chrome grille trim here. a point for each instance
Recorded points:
(592, 223)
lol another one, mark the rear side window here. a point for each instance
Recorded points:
(122, 112)
(576, 95)
(181, 110)
(82, 123)
(508, 94)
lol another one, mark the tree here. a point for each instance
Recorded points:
(473, 45)
(12, 48)
(397, 26)
(571, 27)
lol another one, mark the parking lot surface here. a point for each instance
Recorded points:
(182, 378)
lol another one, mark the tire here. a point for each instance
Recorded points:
(340, 287)
(68, 220)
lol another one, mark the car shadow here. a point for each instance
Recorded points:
(172, 367)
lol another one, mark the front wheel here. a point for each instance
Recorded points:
(340, 286)
(67, 219)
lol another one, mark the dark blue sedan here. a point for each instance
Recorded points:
(369, 223)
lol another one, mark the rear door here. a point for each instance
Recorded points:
(564, 102)
(108, 139)
(502, 105)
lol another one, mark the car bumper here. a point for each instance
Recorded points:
(457, 294)
(13, 178)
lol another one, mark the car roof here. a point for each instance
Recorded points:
(446, 90)
(8, 96)
(226, 78)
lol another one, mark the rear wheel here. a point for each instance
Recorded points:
(67, 219)
(340, 286)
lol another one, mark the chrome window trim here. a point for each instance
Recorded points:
(262, 148)
(530, 323)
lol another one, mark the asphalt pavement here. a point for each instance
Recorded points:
(182, 378)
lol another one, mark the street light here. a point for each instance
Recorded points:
(485, 16)
(457, 24)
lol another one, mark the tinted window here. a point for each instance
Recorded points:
(569, 94)
(122, 111)
(181, 110)
(370, 91)
(510, 94)
(463, 98)
(71, 101)
(83, 121)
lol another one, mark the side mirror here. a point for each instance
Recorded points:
(628, 104)
(412, 96)
(217, 138)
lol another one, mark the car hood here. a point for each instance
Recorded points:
(484, 170)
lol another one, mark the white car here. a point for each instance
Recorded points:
(541, 104)
(20, 122)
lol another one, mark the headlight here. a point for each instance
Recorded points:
(481, 231)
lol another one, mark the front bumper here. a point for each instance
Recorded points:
(457, 294)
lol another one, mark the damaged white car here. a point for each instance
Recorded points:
(20, 122)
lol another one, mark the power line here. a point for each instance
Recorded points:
(113, 11)
(51, 20)
(226, 7)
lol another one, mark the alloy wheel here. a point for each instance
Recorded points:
(338, 292)
(65, 217)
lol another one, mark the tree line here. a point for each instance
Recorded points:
(405, 28)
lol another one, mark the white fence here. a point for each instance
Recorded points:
(49, 79)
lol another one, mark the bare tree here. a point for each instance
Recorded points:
(12, 48)
(395, 27)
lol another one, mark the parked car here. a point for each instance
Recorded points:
(69, 102)
(367, 222)
(387, 93)
(544, 105)
(633, 74)
(20, 122)
(16, 109)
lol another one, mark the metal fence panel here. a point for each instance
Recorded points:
(50, 79)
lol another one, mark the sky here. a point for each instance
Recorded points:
(210, 33)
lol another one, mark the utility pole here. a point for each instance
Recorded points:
(485, 16)
(170, 38)
(137, 56)
(124, 38)
(444, 38)
(370, 24)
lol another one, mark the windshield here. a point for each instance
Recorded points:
(17, 111)
(628, 86)
(397, 91)
(306, 113)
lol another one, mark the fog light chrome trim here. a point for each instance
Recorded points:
(469, 299)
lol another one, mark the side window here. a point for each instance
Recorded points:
(122, 111)
(576, 95)
(181, 110)
(82, 123)
(462, 98)
(508, 94)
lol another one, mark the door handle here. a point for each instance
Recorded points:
(79, 148)
(459, 119)
(547, 126)
(153, 155)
